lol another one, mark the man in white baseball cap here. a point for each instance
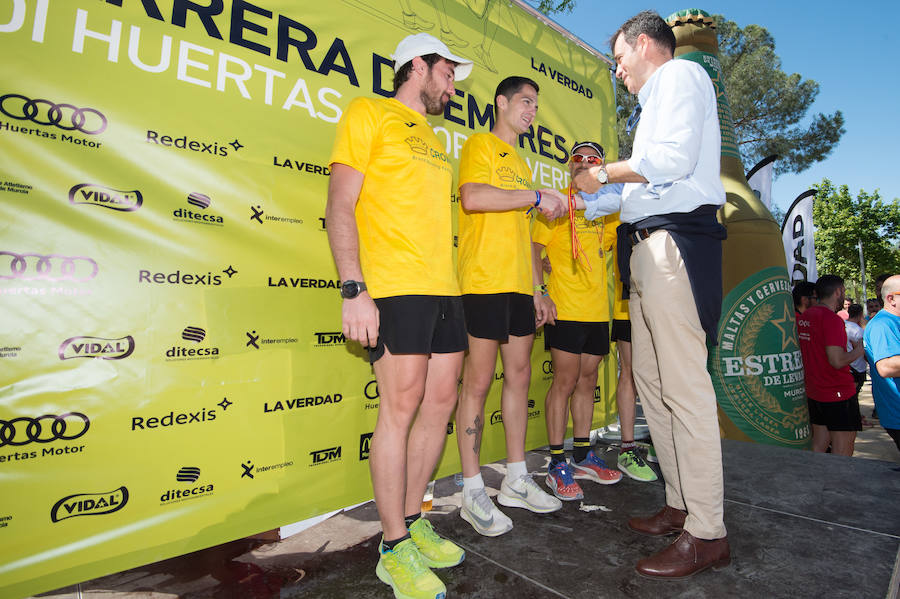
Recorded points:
(422, 44)
(389, 226)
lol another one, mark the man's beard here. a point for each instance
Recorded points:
(433, 105)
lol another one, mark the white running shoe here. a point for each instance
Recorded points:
(524, 492)
(479, 511)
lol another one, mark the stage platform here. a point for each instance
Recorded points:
(800, 525)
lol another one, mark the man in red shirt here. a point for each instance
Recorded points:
(830, 390)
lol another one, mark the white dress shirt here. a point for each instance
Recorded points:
(677, 147)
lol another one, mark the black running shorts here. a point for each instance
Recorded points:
(420, 324)
(836, 415)
(578, 337)
(499, 315)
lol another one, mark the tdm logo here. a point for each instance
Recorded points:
(365, 442)
(200, 217)
(325, 456)
(96, 347)
(330, 339)
(106, 197)
(94, 504)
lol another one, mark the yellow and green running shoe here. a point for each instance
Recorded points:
(631, 463)
(437, 552)
(404, 569)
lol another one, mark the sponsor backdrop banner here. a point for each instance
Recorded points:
(172, 371)
(799, 243)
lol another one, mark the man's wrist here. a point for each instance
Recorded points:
(351, 289)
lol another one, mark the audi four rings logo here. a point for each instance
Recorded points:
(47, 267)
(67, 117)
(43, 429)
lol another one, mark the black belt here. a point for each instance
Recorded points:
(639, 235)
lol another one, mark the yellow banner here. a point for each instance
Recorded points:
(172, 372)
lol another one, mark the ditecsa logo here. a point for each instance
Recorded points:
(182, 352)
(188, 475)
(198, 216)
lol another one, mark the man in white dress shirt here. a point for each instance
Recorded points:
(668, 210)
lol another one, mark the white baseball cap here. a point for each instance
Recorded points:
(422, 44)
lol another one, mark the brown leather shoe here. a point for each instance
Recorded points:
(667, 521)
(685, 557)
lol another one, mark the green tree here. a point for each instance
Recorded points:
(768, 105)
(549, 7)
(841, 222)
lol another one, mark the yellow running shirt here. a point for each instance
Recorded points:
(403, 213)
(620, 305)
(494, 247)
(579, 294)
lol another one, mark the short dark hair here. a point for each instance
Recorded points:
(827, 285)
(510, 86)
(882, 278)
(402, 75)
(803, 289)
(647, 22)
(855, 310)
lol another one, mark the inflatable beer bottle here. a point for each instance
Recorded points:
(756, 368)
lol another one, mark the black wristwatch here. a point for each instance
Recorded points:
(350, 289)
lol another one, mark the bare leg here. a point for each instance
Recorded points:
(821, 438)
(842, 442)
(516, 356)
(583, 399)
(625, 392)
(480, 363)
(429, 432)
(565, 377)
(401, 382)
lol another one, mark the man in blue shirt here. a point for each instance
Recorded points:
(882, 342)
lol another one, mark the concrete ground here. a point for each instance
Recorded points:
(800, 525)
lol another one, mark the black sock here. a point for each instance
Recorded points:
(557, 455)
(389, 545)
(580, 449)
(410, 519)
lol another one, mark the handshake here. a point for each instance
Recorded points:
(553, 204)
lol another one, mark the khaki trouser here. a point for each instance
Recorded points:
(676, 392)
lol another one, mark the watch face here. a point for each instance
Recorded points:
(602, 176)
(349, 289)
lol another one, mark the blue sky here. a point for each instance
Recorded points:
(851, 50)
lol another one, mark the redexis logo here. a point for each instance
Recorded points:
(200, 216)
(106, 197)
(187, 475)
(96, 347)
(195, 335)
(325, 456)
(173, 419)
(93, 504)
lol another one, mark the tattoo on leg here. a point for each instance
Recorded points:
(477, 430)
